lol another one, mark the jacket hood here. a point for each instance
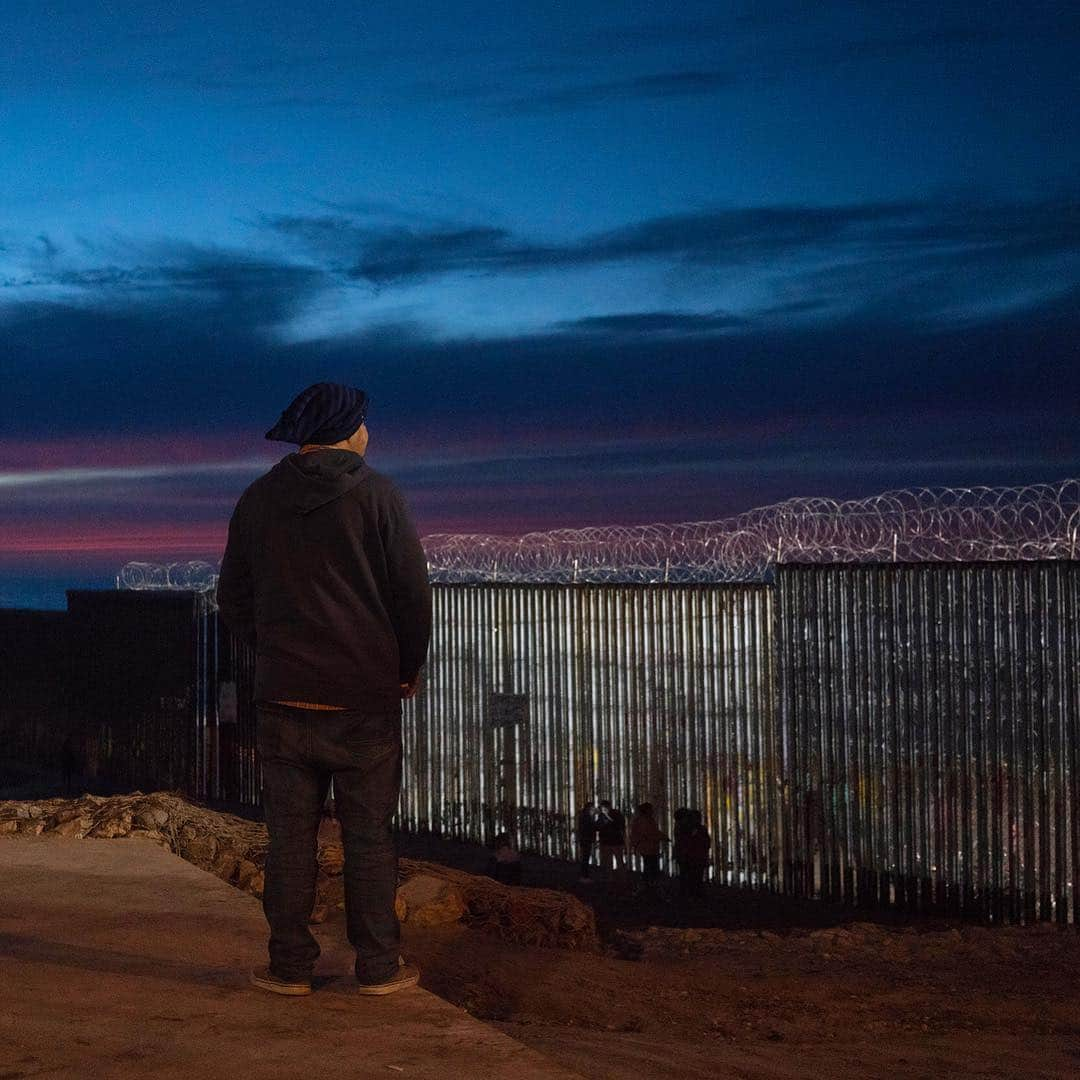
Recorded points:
(307, 481)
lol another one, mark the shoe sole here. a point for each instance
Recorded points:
(389, 987)
(286, 989)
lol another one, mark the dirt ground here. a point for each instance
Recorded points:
(862, 1000)
(747, 984)
(743, 984)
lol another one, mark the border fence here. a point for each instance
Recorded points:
(33, 686)
(142, 678)
(884, 734)
(541, 697)
(161, 695)
(929, 719)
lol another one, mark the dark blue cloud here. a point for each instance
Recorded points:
(894, 254)
(166, 272)
(653, 322)
(207, 365)
(657, 85)
(948, 37)
(899, 301)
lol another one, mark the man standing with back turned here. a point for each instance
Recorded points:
(324, 575)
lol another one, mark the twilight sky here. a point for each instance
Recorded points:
(602, 262)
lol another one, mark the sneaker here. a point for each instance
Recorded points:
(262, 978)
(406, 975)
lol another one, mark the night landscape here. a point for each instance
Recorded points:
(690, 450)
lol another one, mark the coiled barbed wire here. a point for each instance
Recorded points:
(1039, 521)
(195, 576)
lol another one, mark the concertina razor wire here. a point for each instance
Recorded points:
(992, 524)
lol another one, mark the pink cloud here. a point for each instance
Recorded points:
(143, 540)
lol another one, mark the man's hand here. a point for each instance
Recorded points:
(408, 689)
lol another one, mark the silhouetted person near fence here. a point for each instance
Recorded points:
(646, 837)
(324, 575)
(585, 833)
(611, 832)
(506, 861)
(692, 847)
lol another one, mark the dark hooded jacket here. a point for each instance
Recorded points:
(324, 575)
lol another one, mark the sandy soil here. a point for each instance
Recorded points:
(862, 1000)
(745, 984)
(749, 984)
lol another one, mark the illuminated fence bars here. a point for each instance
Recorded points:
(539, 698)
(236, 775)
(930, 725)
(886, 734)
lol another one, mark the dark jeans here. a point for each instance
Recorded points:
(652, 868)
(301, 750)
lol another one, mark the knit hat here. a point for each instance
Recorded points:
(323, 413)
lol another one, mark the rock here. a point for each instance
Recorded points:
(234, 849)
(224, 866)
(331, 859)
(246, 872)
(867, 929)
(830, 938)
(73, 826)
(544, 918)
(201, 851)
(330, 890)
(151, 818)
(431, 901)
(110, 827)
(627, 946)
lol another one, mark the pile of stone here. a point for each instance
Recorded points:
(234, 849)
(526, 916)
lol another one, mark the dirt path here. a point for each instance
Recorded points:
(119, 960)
(857, 1001)
(737, 984)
